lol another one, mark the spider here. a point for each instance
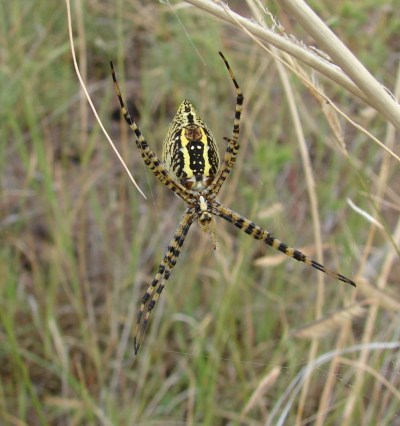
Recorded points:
(191, 168)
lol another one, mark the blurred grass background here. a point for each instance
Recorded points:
(79, 244)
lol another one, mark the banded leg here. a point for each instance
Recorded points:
(227, 165)
(149, 157)
(258, 233)
(233, 146)
(153, 293)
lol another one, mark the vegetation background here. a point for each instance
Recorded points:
(233, 339)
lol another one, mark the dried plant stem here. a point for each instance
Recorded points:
(83, 85)
(380, 100)
(336, 49)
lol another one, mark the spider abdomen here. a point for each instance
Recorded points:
(189, 150)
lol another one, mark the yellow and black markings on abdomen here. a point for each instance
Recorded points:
(189, 150)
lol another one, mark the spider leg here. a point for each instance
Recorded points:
(258, 233)
(150, 158)
(233, 146)
(153, 293)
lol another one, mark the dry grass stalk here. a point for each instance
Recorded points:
(320, 328)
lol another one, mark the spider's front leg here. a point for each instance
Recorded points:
(150, 158)
(153, 293)
(226, 167)
(259, 233)
(233, 146)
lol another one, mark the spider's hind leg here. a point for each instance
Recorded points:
(155, 289)
(259, 233)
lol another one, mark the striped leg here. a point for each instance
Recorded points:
(150, 158)
(233, 146)
(225, 169)
(258, 233)
(153, 293)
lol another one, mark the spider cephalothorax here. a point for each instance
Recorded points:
(191, 169)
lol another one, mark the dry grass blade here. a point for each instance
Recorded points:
(220, 10)
(379, 297)
(269, 261)
(322, 327)
(257, 397)
(331, 115)
(364, 214)
(71, 39)
(384, 102)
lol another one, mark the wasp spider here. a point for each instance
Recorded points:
(191, 168)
